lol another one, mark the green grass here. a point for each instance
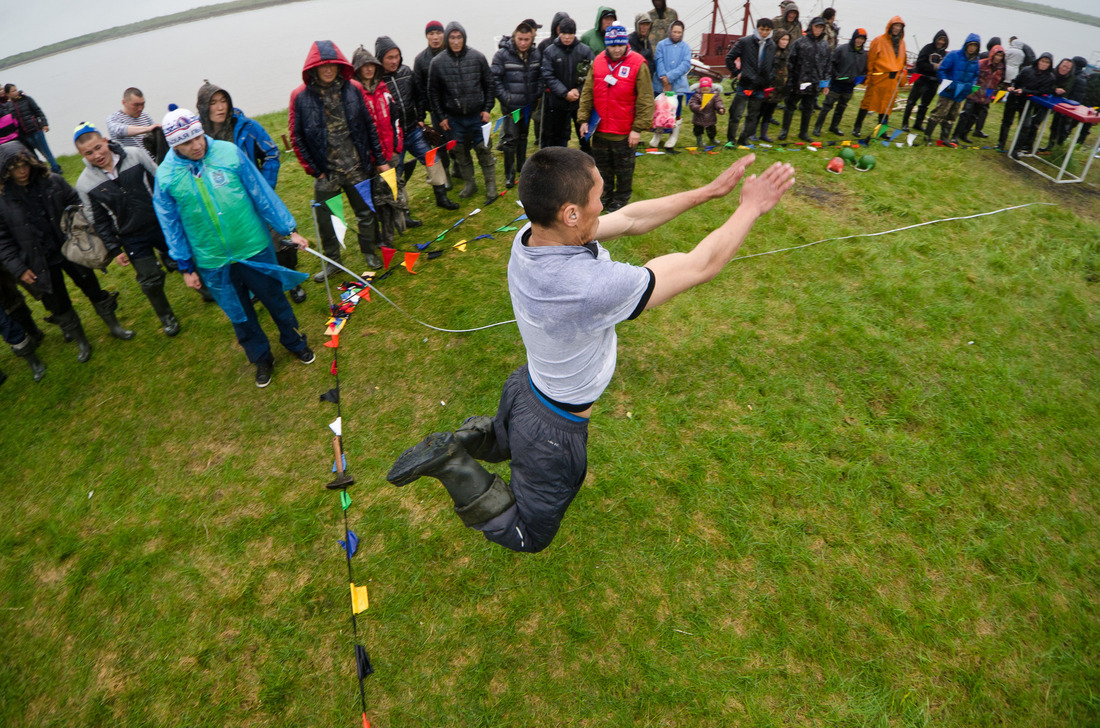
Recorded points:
(852, 485)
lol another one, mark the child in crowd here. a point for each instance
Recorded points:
(705, 105)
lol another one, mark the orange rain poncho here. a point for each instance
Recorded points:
(885, 70)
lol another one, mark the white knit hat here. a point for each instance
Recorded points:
(180, 125)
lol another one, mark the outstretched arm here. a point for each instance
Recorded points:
(639, 218)
(677, 272)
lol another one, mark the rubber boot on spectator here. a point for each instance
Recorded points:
(962, 130)
(488, 171)
(441, 199)
(670, 145)
(106, 308)
(655, 140)
(838, 112)
(25, 350)
(820, 122)
(804, 128)
(788, 114)
(23, 316)
(764, 124)
(698, 141)
(509, 169)
(478, 495)
(465, 165)
(163, 309)
(74, 330)
(918, 125)
(477, 436)
(857, 131)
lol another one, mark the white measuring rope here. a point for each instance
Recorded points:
(896, 230)
(367, 283)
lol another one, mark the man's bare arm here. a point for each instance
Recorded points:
(677, 272)
(639, 218)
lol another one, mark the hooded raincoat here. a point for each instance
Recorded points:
(246, 133)
(213, 212)
(593, 37)
(990, 75)
(960, 67)
(885, 70)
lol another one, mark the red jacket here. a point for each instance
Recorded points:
(378, 104)
(615, 103)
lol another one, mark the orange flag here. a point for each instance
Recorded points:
(387, 256)
(429, 157)
(410, 261)
(451, 144)
(333, 342)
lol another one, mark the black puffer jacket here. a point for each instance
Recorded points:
(554, 23)
(460, 84)
(1081, 82)
(308, 132)
(30, 114)
(121, 208)
(564, 67)
(421, 64)
(1032, 81)
(808, 63)
(754, 74)
(401, 85)
(518, 80)
(30, 218)
(931, 55)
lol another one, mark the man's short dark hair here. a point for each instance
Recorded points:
(523, 28)
(765, 23)
(132, 91)
(828, 13)
(8, 87)
(553, 177)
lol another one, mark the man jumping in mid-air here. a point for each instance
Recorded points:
(568, 295)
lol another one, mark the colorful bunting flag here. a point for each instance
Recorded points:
(363, 188)
(343, 465)
(944, 84)
(429, 157)
(390, 177)
(334, 342)
(359, 601)
(1000, 95)
(352, 544)
(486, 130)
(387, 256)
(451, 144)
(460, 246)
(363, 666)
(336, 206)
(515, 115)
(336, 426)
(410, 261)
(707, 98)
(332, 370)
(333, 395)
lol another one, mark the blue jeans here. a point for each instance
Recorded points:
(39, 140)
(269, 291)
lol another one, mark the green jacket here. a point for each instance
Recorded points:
(593, 37)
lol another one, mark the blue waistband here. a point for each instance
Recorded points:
(553, 407)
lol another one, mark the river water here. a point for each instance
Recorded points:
(258, 55)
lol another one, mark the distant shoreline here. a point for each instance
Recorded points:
(241, 6)
(141, 26)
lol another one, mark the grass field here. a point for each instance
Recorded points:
(850, 485)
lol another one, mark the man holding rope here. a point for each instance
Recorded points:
(568, 295)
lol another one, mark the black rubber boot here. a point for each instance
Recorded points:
(788, 114)
(74, 330)
(488, 171)
(765, 122)
(478, 495)
(804, 128)
(477, 436)
(25, 319)
(25, 350)
(837, 114)
(163, 310)
(441, 199)
(858, 130)
(106, 309)
(818, 124)
(509, 169)
(919, 123)
(412, 222)
(962, 131)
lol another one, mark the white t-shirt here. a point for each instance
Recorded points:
(567, 300)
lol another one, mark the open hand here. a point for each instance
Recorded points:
(763, 192)
(724, 183)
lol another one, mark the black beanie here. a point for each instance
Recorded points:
(567, 26)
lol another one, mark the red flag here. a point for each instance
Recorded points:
(332, 343)
(333, 369)
(429, 157)
(748, 92)
(365, 294)
(451, 144)
(387, 256)
(410, 261)
(913, 78)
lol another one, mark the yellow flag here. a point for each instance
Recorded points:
(390, 175)
(359, 600)
(460, 245)
(1000, 95)
(707, 98)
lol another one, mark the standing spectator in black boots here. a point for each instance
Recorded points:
(808, 67)
(565, 65)
(924, 88)
(849, 63)
(750, 60)
(517, 74)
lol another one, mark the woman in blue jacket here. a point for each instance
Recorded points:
(673, 58)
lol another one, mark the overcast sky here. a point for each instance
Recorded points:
(43, 22)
